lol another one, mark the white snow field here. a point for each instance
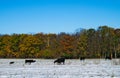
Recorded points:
(73, 68)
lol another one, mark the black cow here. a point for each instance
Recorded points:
(108, 58)
(30, 61)
(60, 60)
(12, 62)
(82, 58)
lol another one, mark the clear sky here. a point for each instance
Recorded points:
(55, 16)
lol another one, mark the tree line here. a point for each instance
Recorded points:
(91, 43)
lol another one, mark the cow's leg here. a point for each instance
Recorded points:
(63, 62)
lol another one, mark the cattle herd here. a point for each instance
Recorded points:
(26, 61)
(59, 61)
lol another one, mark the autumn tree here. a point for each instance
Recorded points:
(82, 44)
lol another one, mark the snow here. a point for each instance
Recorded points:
(73, 68)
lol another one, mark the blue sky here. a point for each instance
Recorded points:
(55, 16)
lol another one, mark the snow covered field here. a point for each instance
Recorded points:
(44, 68)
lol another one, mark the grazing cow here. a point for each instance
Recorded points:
(12, 62)
(60, 60)
(82, 58)
(108, 58)
(30, 61)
